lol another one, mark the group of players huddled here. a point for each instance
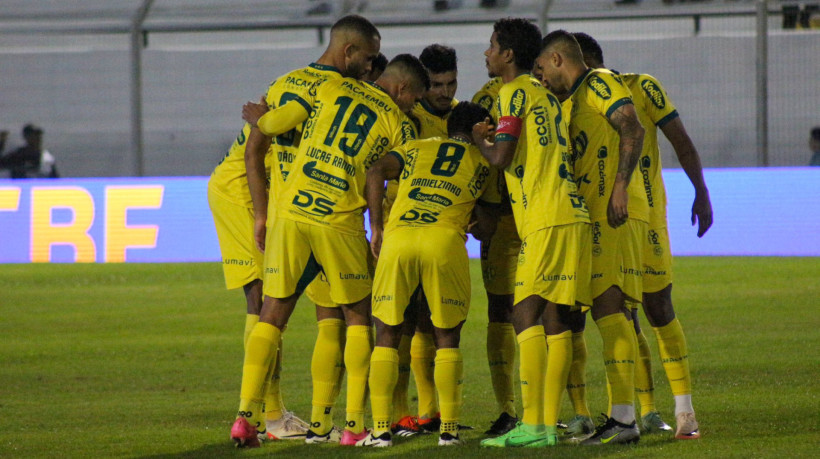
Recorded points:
(540, 167)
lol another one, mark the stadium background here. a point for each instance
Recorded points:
(69, 66)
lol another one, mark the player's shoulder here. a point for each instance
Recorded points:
(604, 84)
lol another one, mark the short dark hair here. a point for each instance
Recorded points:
(409, 64)
(439, 58)
(589, 47)
(565, 40)
(379, 63)
(358, 24)
(815, 133)
(522, 37)
(464, 116)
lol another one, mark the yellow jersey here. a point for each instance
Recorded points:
(351, 125)
(655, 109)
(432, 123)
(540, 178)
(496, 195)
(229, 179)
(440, 181)
(595, 96)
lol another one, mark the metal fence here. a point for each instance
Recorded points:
(142, 87)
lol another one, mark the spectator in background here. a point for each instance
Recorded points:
(31, 160)
(814, 145)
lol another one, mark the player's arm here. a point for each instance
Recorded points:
(689, 159)
(624, 119)
(276, 121)
(255, 149)
(501, 152)
(483, 222)
(386, 168)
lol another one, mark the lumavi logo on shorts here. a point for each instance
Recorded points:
(600, 87)
(654, 93)
(517, 103)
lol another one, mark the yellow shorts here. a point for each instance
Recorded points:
(657, 260)
(318, 292)
(617, 257)
(499, 258)
(555, 263)
(295, 252)
(437, 259)
(242, 262)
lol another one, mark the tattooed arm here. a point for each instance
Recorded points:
(625, 120)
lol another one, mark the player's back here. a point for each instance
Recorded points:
(352, 124)
(596, 144)
(229, 178)
(654, 110)
(440, 181)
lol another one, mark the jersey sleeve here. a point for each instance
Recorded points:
(495, 191)
(284, 118)
(606, 92)
(659, 107)
(511, 104)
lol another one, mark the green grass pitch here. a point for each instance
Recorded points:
(144, 360)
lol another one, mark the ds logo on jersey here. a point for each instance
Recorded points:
(600, 87)
(517, 102)
(654, 93)
(314, 203)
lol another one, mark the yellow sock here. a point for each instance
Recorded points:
(274, 405)
(357, 361)
(250, 321)
(644, 386)
(532, 345)
(422, 361)
(577, 378)
(325, 366)
(501, 357)
(384, 370)
(559, 359)
(401, 406)
(620, 351)
(675, 357)
(449, 376)
(261, 350)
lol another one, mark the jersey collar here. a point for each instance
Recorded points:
(579, 81)
(326, 68)
(433, 111)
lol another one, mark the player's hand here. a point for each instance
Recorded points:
(616, 213)
(251, 112)
(376, 238)
(702, 213)
(482, 131)
(259, 231)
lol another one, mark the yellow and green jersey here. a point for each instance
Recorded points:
(440, 181)
(431, 123)
(487, 95)
(496, 194)
(229, 178)
(655, 109)
(540, 178)
(351, 125)
(595, 96)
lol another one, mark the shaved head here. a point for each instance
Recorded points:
(561, 41)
